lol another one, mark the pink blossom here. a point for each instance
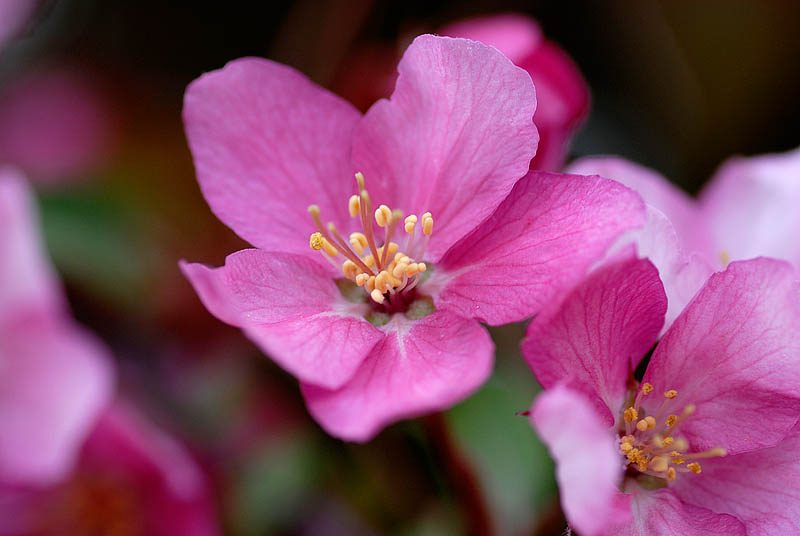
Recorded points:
(452, 144)
(748, 209)
(13, 14)
(707, 442)
(131, 478)
(54, 376)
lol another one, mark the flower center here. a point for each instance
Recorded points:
(650, 443)
(387, 273)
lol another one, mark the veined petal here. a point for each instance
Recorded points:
(291, 308)
(588, 464)
(596, 336)
(421, 366)
(453, 139)
(267, 143)
(733, 353)
(538, 243)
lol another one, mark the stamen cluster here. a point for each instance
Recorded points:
(650, 445)
(386, 273)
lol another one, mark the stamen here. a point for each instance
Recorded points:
(394, 217)
(377, 295)
(671, 474)
(410, 223)
(354, 206)
(383, 215)
(671, 394)
(315, 241)
(631, 415)
(646, 389)
(341, 245)
(358, 241)
(695, 468)
(366, 208)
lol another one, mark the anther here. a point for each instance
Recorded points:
(377, 295)
(354, 206)
(410, 223)
(668, 441)
(350, 270)
(316, 241)
(659, 464)
(642, 425)
(360, 180)
(695, 468)
(361, 279)
(359, 242)
(383, 216)
(671, 474)
(651, 422)
(631, 415)
(672, 393)
(647, 388)
(671, 420)
(427, 223)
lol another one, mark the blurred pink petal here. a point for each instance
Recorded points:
(13, 14)
(588, 465)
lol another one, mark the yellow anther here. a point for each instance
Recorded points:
(381, 281)
(672, 393)
(393, 247)
(399, 270)
(647, 388)
(359, 242)
(625, 447)
(658, 441)
(410, 223)
(383, 215)
(668, 441)
(350, 270)
(313, 210)
(329, 249)
(354, 205)
(427, 223)
(671, 474)
(642, 425)
(377, 296)
(681, 444)
(370, 284)
(651, 422)
(695, 468)
(369, 261)
(689, 409)
(630, 414)
(671, 420)
(422, 267)
(316, 241)
(412, 269)
(642, 465)
(659, 464)
(361, 279)
(360, 180)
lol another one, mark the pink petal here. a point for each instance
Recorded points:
(267, 143)
(597, 335)
(516, 36)
(588, 464)
(661, 513)
(453, 139)
(677, 206)
(751, 206)
(421, 366)
(54, 381)
(758, 487)
(13, 14)
(539, 242)
(292, 309)
(26, 275)
(733, 353)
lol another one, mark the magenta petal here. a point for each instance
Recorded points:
(267, 143)
(588, 463)
(54, 381)
(595, 337)
(539, 242)
(733, 353)
(751, 207)
(453, 139)
(516, 36)
(661, 513)
(26, 275)
(291, 308)
(421, 366)
(758, 487)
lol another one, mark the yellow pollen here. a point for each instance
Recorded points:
(695, 468)
(671, 420)
(427, 223)
(410, 223)
(651, 422)
(354, 206)
(668, 441)
(659, 464)
(642, 425)
(350, 270)
(383, 215)
(361, 279)
(422, 267)
(647, 388)
(359, 242)
(377, 295)
(316, 241)
(631, 415)
(672, 393)
(671, 474)
(625, 447)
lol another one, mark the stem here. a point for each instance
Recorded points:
(462, 479)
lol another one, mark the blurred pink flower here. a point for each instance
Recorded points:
(55, 377)
(13, 14)
(707, 443)
(54, 125)
(748, 209)
(562, 94)
(131, 478)
(456, 138)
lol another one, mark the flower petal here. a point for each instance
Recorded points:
(751, 207)
(539, 242)
(453, 139)
(54, 381)
(661, 513)
(13, 14)
(26, 275)
(588, 464)
(291, 308)
(597, 335)
(421, 366)
(267, 143)
(758, 487)
(733, 353)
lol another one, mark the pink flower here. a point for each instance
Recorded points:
(707, 442)
(562, 94)
(455, 139)
(54, 376)
(131, 478)
(748, 209)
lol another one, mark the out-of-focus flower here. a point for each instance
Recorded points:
(131, 478)
(55, 377)
(707, 443)
(562, 95)
(55, 126)
(13, 14)
(455, 139)
(748, 209)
